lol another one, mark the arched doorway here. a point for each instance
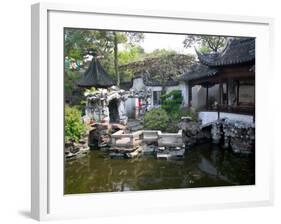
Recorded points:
(113, 111)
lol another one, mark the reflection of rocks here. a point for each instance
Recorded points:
(192, 132)
(75, 150)
(68, 147)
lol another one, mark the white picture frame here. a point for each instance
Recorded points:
(48, 201)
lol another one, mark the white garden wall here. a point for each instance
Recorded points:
(208, 117)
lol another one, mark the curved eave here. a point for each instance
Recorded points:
(219, 62)
(199, 74)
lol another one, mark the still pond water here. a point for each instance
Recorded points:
(203, 166)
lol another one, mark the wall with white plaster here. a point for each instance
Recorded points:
(207, 117)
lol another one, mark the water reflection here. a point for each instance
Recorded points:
(203, 166)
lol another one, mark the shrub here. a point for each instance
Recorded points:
(175, 118)
(188, 112)
(156, 119)
(171, 101)
(74, 127)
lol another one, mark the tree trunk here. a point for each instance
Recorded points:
(116, 58)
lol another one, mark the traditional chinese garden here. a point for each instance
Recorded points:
(142, 116)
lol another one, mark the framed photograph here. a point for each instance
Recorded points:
(148, 111)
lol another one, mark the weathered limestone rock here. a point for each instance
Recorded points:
(116, 127)
(216, 132)
(240, 136)
(75, 150)
(100, 135)
(99, 101)
(192, 132)
(237, 135)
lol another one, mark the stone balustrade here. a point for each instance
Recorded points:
(121, 138)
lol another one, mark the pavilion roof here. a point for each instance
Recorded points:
(198, 71)
(237, 51)
(96, 76)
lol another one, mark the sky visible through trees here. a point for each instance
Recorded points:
(120, 48)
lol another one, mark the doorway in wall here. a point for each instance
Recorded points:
(113, 111)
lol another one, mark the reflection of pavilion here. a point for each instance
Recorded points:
(229, 74)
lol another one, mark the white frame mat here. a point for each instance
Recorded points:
(48, 199)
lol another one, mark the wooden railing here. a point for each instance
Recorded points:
(247, 109)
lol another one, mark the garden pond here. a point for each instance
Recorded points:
(206, 165)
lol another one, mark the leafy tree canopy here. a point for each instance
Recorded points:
(103, 43)
(161, 64)
(205, 43)
(171, 101)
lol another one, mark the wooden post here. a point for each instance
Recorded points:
(238, 85)
(220, 95)
(116, 58)
(189, 94)
(220, 98)
(227, 83)
(207, 96)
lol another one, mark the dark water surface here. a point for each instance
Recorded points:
(203, 166)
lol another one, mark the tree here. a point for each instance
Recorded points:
(161, 53)
(161, 68)
(171, 101)
(206, 43)
(128, 55)
(116, 58)
(134, 37)
(105, 43)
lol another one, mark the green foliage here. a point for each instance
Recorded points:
(171, 101)
(75, 53)
(205, 43)
(187, 112)
(74, 127)
(168, 66)
(69, 79)
(161, 53)
(204, 49)
(156, 119)
(159, 119)
(102, 42)
(130, 54)
(175, 118)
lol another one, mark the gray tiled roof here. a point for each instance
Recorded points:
(148, 81)
(237, 51)
(198, 71)
(96, 76)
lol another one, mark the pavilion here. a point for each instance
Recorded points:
(232, 72)
(95, 76)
